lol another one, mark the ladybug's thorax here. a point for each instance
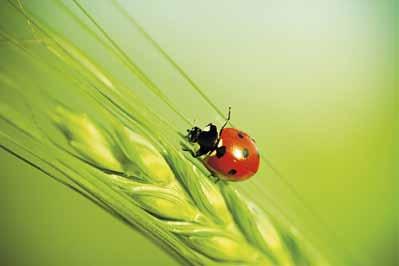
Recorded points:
(207, 140)
(208, 137)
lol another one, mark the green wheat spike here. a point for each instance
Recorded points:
(117, 153)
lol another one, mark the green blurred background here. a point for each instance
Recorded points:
(312, 81)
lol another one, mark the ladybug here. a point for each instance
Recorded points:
(229, 154)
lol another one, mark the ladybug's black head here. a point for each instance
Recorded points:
(193, 134)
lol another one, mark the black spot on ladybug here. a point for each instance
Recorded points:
(240, 134)
(220, 151)
(245, 153)
(232, 172)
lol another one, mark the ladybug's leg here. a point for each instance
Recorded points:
(200, 152)
(190, 151)
(215, 178)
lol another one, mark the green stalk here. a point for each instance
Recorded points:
(79, 125)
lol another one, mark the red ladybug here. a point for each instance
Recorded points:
(230, 155)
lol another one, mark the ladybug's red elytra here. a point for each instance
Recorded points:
(230, 154)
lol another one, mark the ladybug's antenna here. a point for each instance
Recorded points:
(227, 120)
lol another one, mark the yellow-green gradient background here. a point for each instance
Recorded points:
(312, 81)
